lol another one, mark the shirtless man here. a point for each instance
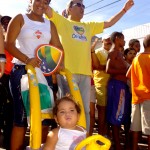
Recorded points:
(119, 97)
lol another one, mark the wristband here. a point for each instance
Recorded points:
(2, 59)
(93, 52)
(27, 60)
(3, 56)
(124, 10)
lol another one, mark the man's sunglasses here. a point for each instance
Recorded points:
(79, 5)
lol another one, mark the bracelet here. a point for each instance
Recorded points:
(93, 52)
(124, 10)
(3, 56)
(2, 59)
(27, 60)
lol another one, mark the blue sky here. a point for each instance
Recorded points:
(96, 10)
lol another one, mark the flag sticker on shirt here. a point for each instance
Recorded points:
(79, 30)
(79, 33)
(38, 34)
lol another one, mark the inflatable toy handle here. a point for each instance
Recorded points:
(76, 94)
(90, 143)
(35, 109)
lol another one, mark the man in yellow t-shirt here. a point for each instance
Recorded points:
(100, 80)
(76, 40)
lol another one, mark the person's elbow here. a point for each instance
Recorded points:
(9, 47)
(107, 24)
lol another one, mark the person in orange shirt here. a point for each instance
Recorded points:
(9, 65)
(139, 73)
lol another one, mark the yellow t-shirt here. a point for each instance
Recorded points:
(140, 78)
(76, 41)
(101, 77)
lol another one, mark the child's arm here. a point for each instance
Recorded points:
(128, 74)
(51, 140)
(95, 61)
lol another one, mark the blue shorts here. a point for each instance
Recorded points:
(20, 117)
(118, 103)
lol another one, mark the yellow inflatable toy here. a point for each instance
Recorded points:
(35, 109)
(35, 114)
(91, 143)
(76, 94)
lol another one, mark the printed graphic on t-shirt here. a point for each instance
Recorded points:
(38, 34)
(79, 33)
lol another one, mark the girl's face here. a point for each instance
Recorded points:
(130, 56)
(39, 6)
(67, 116)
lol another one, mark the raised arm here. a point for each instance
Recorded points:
(2, 56)
(55, 38)
(117, 17)
(95, 61)
(55, 41)
(48, 12)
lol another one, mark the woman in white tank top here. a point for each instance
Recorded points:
(29, 30)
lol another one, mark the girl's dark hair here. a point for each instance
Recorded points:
(114, 35)
(67, 98)
(126, 51)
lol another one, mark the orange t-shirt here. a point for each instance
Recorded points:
(9, 64)
(140, 78)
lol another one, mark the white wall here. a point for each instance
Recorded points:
(138, 32)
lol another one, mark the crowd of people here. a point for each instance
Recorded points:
(111, 79)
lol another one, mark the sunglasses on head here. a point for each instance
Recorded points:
(79, 5)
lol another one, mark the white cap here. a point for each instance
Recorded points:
(105, 36)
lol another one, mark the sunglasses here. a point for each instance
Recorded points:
(79, 5)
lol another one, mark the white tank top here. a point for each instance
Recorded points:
(32, 34)
(68, 139)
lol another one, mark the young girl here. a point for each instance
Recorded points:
(68, 134)
(129, 55)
